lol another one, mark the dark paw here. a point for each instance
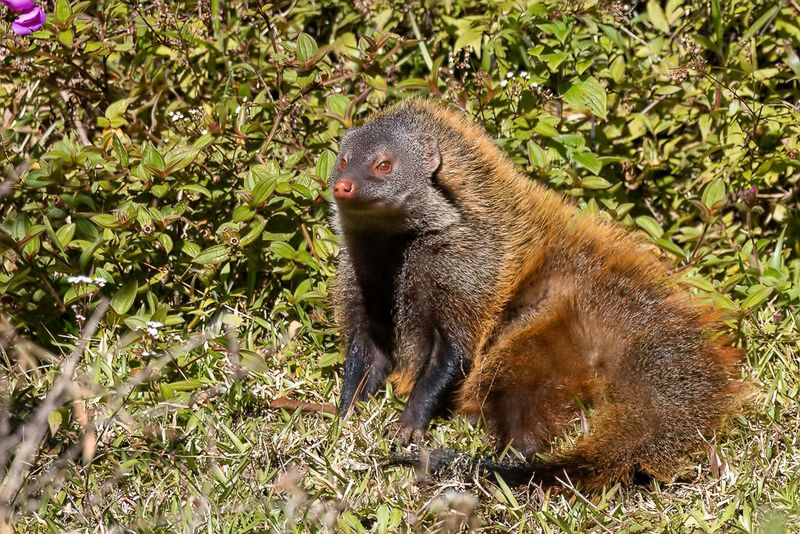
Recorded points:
(405, 434)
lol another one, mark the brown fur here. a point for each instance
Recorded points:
(579, 313)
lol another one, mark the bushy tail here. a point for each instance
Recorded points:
(629, 441)
(546, 473)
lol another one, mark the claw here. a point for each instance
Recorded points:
(405, 435)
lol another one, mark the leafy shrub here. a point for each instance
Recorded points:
(181, 156)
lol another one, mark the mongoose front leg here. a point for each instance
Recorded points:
(365, 370)
(432, 389)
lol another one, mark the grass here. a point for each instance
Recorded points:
(217, 458)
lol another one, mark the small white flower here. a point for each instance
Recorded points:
(524, 74)
(510, 74)
(80, 279)
(204, 131)
(152, 328)
(100, 282)
(503, 83)
(237, 109)
(534, 84)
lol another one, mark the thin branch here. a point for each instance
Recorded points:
(30, 435)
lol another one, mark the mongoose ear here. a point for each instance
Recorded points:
(430, 153)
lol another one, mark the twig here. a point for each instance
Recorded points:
(79, 127)
(30, 435)
(307, 237)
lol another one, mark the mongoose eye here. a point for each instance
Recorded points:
(384, 166)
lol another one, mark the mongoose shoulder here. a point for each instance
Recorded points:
(472, 287)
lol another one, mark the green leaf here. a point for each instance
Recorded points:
(649, 225)
(413, 83)
(119, 150)
(714, 195)
(203, 141)
(617, 69)
(306, 47)
(588, 94)
(262, 191)
(54, 420)
(166, 242)
(115, 113)
(589, 161)
(761, 22)
(657, 17)
(160, 190)
(212, 255)
(123, 299)
(337, 105)
(538, 155)
(756, 295)
(470, 36)
(180, 159)
(62, 11)
(190, 249)
(555, 59)
(581, 66)
(152, 159)
(559, 28)
(88, 254)
(254, 232)
(65, 235)
(776, 261)
(106, 220)
(66, 37)
(595, 182)
(325, 164)
(670, 246)
(196, 188)
(283, 250)
(545, 129)
(252, 361)
(93, 46)
(242, 213)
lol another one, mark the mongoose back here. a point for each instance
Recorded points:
(472, 287)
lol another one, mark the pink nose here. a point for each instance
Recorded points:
(344, 189)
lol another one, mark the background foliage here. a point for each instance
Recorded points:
(173, 156)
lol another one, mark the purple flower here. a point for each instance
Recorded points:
(749, 196)
(29, 21)
(18, 5)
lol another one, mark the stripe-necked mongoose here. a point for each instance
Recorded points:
(462, 280)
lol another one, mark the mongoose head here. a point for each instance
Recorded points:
(382, 180)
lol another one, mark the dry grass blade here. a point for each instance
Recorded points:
(28, 436)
